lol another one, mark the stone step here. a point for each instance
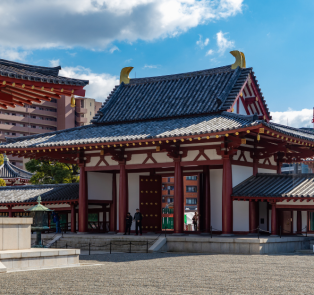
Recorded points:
(305, 251)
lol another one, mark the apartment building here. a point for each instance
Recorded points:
(44, 117)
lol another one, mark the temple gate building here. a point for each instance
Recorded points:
(212, 123)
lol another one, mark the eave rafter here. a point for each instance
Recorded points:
(267, 143)
(19, 92)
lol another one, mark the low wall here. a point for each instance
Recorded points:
(15, 233)
(230, 245)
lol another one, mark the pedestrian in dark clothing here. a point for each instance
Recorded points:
(56, 220)
(138, 221)
(195, 219)
(128, 223)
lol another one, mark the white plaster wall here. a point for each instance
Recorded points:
(110, 161)
(212, 154)
(294, 220)
(241, 215)
(134, 193)
(262, 170)
(242, 110)
(240, 208)
(263, 214)
(93, 162)
(304, 220)
(216, 198)
(296, 203)
(269, 220)
(240, 173)
(162, 158)
(99, 186)
(117, 183)
(137, 159)
(101, 216)
(190, 156)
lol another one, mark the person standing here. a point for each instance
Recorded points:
(128, 223)
(194, 219)
(138, 221)
(56, 220)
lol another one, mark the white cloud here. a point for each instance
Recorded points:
(200, 42)
(54, 62)
(100, 85)
(209, 52)
(94, 24)
(113, 49)
(294, 118)
(223, 43)
(13, 53)
(151, 66)
(128, 60)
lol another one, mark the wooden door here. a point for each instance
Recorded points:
(286, 222)
(150, 202)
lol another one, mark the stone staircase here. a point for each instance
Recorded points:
(307, 251)
(123, 244)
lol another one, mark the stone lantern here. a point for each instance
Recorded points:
(40, 221)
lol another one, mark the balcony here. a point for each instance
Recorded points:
(18, 119)
(80, 110)
(19, 129)
(80, 119)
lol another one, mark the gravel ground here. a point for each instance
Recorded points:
(170, 274)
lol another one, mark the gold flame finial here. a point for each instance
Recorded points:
(72, 102)
(240, 59)
(124, 75)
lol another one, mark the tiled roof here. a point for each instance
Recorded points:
(48, 192)
(8, 170)
(276, 185)
(38, 74)
(134, 131)
(193, 93)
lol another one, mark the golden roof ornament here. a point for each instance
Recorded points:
(240, 59)
(124, 75)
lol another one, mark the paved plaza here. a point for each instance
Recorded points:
(169, 274)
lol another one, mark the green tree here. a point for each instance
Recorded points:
(51, 172)
(1, 159)
(2, 182)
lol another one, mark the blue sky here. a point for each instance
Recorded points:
(95, 39)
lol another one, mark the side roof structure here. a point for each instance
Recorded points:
(60, 193)
(36, 73)
(276, 185)
(10, 171)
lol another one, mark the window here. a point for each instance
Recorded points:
(33, 117)
(90, 113)
(33, 126)
(90, 104)
(82, 103)
(14, 124)
(41, 109)
(163, 200)
(191, 177)
(6, 133)
(39, 127)
(170, 200)
(6, 123)
(13, 133)
(170, 187)
(21, 125)
(191, 201)
(13, 114)
(41, 118)
(191, 189)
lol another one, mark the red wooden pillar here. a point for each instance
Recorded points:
(206, 197)
(253, 216)
(73, 218)
(123, 197)
(273, 219)
(299, 222)
(10, 211)
(113, 206)
(83, 202)
(178, 216)
(227, 206)
(255, 168)
(278, 167)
